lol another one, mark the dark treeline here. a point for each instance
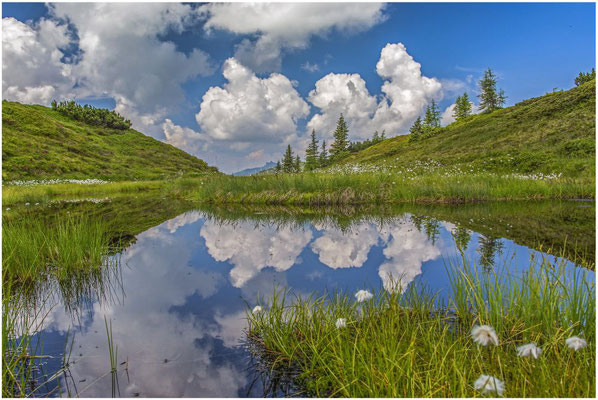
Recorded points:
(91, 115)
(319, 156)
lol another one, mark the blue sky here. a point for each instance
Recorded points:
(532, 47)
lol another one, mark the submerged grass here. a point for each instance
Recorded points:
(414, 345)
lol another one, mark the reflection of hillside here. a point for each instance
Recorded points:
(550, 226)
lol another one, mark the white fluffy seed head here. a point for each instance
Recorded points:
(341, 323)
(363, 295)
(257, 309)
(484, 335)
(576, 343)
(489, 384)
(529, 350)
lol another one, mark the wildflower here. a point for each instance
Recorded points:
(529, 349)
(489, 384)
(484, 335)
(576, 343)
(257, 309)
(341, 323)
(363, 295)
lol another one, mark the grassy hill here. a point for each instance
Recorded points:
(554, 133)
(39, 143)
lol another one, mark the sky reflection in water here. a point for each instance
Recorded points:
(178, 312)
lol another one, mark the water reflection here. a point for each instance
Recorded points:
(179, 319)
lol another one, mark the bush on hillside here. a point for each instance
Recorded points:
(91, 115)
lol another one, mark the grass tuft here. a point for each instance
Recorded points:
(415, 345)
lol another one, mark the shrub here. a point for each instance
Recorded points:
(91, 115)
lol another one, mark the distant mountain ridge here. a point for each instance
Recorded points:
(251, 171)
(40, 143)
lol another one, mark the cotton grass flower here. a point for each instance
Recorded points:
(257, 309)
(528, 350)
(576, 343)
(363, 295)
(341, 323)
(489, 384)
(484, 335)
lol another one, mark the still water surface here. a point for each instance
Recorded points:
(177, 300)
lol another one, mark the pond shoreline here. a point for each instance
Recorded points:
(321, 189)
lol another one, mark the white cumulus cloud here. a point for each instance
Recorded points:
(250, 109)
(338, 249)
(406, 91)
(32, 66)
(281, 26)
(184, 138)
(252, 249)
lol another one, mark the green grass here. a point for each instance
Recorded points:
(554, 133)
(325, 189)
(40, 143)
(64, 248)
(378, 188)
(412, 345)
(13, 194)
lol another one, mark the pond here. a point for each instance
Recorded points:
(175, 298)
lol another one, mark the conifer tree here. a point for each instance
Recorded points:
(323, 155)
(297, 164)
(585, 77)
(432, 117)
(457, 109)
(376, 137)
(278, 167)
(383, 135)
(288, 165)
(417, 127)
(311, 154)
(465, 109)
(462, 107)
(339, 147)
(490, 98)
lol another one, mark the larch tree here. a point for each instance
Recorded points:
(323, 155)
(432, 117)
(585, 77)
(417, 127)
(288, 164)
(462, 107)
(311, 153)
(490, 97)
(339, 147)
